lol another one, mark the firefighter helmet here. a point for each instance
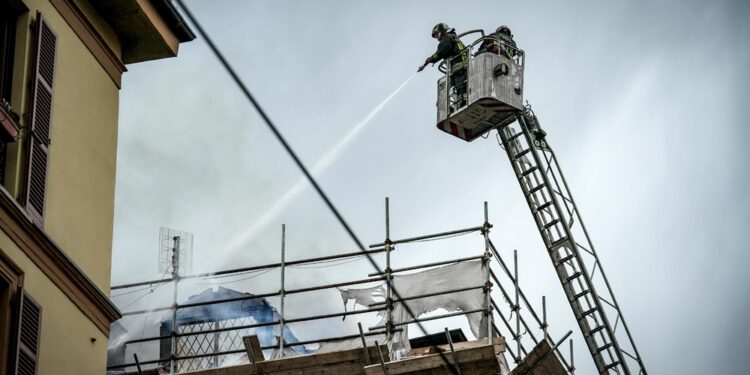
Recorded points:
(441, 28)
(504, 30)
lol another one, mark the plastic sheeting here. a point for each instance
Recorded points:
(454, 276)
(363, 297)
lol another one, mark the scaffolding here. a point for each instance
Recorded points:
(517, 315)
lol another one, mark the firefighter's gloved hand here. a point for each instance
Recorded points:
(426, 61)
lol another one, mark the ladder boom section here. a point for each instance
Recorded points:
(570, 249)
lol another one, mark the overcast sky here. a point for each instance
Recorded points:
(644, 103)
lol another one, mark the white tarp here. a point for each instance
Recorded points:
(454, 276)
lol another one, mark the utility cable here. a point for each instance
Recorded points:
(237, 280)
(130, 292)
(294, 156)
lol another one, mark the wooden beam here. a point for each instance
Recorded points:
(474, 360)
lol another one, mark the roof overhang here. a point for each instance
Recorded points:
(147, 29)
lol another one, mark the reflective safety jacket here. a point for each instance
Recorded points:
(452, 49)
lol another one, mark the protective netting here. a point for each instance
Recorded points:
(450, 277)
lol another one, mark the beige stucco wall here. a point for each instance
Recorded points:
(65, 344)
(79, 207)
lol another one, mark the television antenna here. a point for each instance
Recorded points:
(171, 240)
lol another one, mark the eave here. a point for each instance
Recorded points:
(147, 29)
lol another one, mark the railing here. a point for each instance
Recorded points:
(385, 276)
(453, 98)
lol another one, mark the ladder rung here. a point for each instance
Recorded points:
(611, 365)
(579, 295)
(595, 330)
(551, 223)
(517, 135)
(558, 243)
(543, 206)
(522, 153)
(603, 348)
(528, 171)
(536, 188)
(567, 258)
(573, 277)
(588, 312)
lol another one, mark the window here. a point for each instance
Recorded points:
(7, 45)
(9, 120)
(5, 319)
(11, 279)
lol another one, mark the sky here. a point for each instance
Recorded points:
(643, 103)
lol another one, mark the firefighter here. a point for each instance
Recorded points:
(451, 49)
(501, 39)
(499, 42)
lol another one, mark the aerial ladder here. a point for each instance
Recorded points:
(495, 101)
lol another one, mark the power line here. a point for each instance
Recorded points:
(296, 159)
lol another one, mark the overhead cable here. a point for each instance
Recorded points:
(227, 66)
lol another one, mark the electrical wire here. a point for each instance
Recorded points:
(238, 280)
(140, 297)
(152, 289)
(130, 292)
(210, 277)
(294, 156)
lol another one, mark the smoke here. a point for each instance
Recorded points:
(240, 240)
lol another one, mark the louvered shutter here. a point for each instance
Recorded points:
(27, 340)
(41, 117)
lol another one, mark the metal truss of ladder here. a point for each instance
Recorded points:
(570, 249)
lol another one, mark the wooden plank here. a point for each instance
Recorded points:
(350, 361)
(550, 366)
(433, 363)
(499, 343)
(356, 355)
(253, 344)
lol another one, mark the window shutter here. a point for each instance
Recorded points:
(27, 343)
(41, 117)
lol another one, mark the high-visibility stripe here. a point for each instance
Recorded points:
(463, 62)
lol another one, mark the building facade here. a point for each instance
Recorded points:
(61, 70)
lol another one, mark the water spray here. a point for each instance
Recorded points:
(242, 239)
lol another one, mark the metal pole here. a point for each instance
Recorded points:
(176, 277)
(572, 360)
(427, 265)
(364, 343)
(137, 364)
(487, 283)
(382, 362)
(523, 297)
(517, 307)
(281, 291)
(431, 236)
(510, 329)
(256, 268)
(453, 352)
(544, 317)
(388, 276)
